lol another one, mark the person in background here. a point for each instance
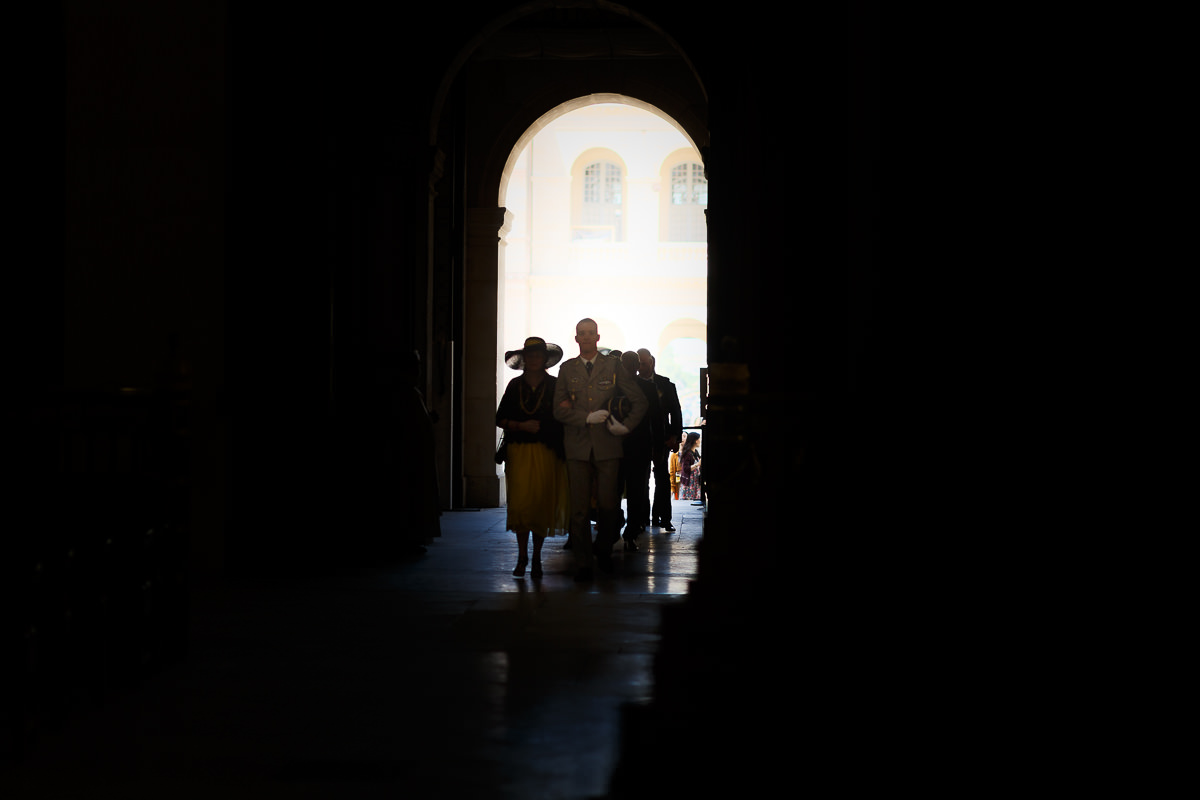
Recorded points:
(672, 430)
(689, 468)
(634, 477)
(673, 469)
(535, 468)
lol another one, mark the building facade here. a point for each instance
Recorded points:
(611, 196)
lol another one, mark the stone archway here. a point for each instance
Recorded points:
(501, 91)
(574, 104)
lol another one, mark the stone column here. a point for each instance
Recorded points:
(482, 289)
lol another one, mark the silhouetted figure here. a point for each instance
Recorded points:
(586, 384)
(672, 430)
(635, 465)
(689, 468)
(535, 470)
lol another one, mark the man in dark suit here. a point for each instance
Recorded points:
(582, 394)
(672, 429)
(639, 451)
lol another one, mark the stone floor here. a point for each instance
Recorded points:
(443, 676)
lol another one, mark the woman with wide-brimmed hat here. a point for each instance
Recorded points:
(535, 467)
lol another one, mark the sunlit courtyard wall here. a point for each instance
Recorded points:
(641, 273)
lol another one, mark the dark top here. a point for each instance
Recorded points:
(520, 403)
(641, 441)
(672, 414)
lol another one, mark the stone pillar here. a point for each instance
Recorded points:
(482, 287)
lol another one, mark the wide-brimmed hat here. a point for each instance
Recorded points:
(516, 358)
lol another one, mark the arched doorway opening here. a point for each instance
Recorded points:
(602, 197)
(591, 199)
(497, 96)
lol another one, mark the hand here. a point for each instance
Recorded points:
(616, 428)
(530, 425)
(597, 417)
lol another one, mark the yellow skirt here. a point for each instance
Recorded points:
(539, 499)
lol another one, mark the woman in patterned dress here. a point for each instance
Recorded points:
(689, 468)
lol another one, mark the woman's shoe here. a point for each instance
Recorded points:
(520, 570)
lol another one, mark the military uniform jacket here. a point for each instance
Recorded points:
(587, 393)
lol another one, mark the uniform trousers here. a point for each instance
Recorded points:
(583, 476)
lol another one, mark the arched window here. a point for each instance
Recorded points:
(688, 200)
(601, 209)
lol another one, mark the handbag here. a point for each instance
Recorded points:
(502, 450)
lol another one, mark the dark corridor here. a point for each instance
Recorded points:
(260, 207)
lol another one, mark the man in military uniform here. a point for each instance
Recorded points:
(592, 437)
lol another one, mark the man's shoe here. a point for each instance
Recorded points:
(669, 528)
(630, 544)
(583, 575)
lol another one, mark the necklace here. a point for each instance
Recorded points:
(537, 398)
